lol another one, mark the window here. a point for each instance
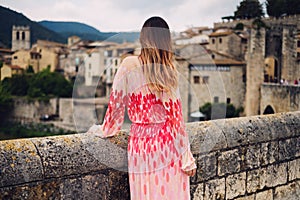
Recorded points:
(196, 79)
(228, 100)
(298, 43)
(213, 41)
(15, 57)
(216, 99)
(220, 40)
(23, 35)
(18, 35)
(90, 66)
(205, 79)
(212, 56)
(116, 62)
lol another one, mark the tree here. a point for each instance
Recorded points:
(220, 110)
(249, 9)
(292, 7)
(278, 8)
(5, 103)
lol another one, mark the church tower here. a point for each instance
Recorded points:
(20, 38)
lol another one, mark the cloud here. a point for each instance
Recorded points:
(127, 15)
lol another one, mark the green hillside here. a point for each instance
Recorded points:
(8, 18)
(86, 32)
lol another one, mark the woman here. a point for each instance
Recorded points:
(159, 158)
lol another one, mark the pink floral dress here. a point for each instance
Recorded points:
(158, 146)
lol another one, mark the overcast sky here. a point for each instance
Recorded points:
(126, 15)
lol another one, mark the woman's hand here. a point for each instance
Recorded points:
(96, 130)
(191, 172)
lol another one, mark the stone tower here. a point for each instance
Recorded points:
(289, 53)
(20, 38)
(255, 70)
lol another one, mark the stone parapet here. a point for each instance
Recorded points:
(243, 158)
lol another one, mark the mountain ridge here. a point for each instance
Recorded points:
(56, 31)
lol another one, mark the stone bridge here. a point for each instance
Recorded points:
(250, 158)
(277, 98)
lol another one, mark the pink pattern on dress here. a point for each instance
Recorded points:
(158, 146)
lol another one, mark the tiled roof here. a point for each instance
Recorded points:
(218, 34)
(16, 67)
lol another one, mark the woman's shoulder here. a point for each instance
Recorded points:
(130, 62)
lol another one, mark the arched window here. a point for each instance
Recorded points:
(23, 35)
(18, 35)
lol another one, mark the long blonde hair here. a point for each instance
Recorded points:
(157, 56)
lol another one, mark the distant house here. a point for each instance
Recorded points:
(40, 56)
(8, 70)
(228, 42)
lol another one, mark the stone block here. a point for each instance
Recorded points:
(19, 162)
(85, 187)
(199, 192)
(208, 137)
(294, 169)
(288, 192)
(275, 175)
(77, 154)
(229, 162)
(297, 146)
(270, 176)
(253, 180)
(252, 156)
(206, 167)
(265, 195)
(287, 149)
(215, 189)
(235, 185)
(250, 197)
(269, 153)
(278, 127)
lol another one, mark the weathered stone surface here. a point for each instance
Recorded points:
(85, 187)
(279, 129)
(270, 176)
(19, 162)
(36, 190)
(76, 154)
(269, 153)
(215, 189)
(229, 162)
(253, 180)
(294, 169)
(265, 195)
(287, 149)
(235, 185)
(208, 137)
(207, 167)
(118, 185)
(251, 197)
(199, 192)
(274, 175)
(252, 156)
(288, 192)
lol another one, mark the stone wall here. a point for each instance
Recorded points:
(31, 110)
(281, 98)
(247, 158)
(255, 70)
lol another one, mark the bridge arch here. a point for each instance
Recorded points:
(268, 110)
